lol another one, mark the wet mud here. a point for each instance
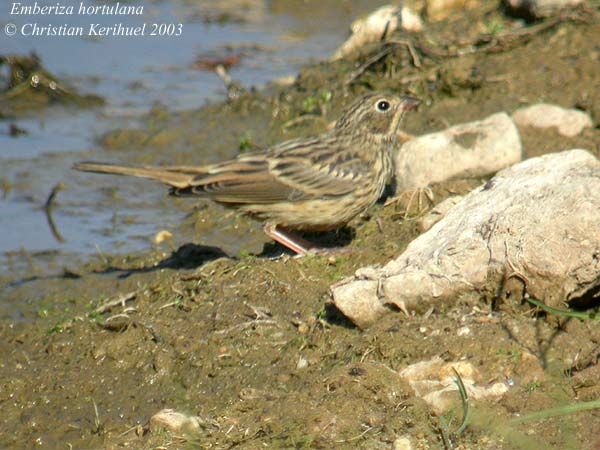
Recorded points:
(239, 333)
(30, 87)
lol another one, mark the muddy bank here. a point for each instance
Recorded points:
(246, 343)
(29, 86)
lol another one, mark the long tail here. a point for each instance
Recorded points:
(175, 176)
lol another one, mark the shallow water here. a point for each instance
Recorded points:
(132, 74)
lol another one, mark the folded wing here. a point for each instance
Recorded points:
(294, 171)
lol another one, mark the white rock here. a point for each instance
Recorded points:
(569, 122)
(175, 422)
(372, 28)
(538, 220)
(410, 20)
(434, 381)
(468, 150)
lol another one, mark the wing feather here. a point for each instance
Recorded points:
(292, 171)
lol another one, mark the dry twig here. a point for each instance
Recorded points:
(121, 300)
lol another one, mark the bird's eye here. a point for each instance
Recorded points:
(382, 105)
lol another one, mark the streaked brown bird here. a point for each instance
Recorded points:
(312, 184)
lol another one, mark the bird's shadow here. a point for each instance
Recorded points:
(188, 256)
(191, 256)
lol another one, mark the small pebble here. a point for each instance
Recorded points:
(302, 364)
(174, 421)
(302, 328)
(464, 331)
(402, 443)
(162, 236)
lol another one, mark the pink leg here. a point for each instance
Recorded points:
(288, 239)
(296, 243)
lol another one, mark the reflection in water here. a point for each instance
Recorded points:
(48, 211)
(52, 226)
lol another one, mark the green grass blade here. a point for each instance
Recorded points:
(555, 412)
(465, 402)
(565, 312)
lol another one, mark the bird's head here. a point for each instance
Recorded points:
(376, 115)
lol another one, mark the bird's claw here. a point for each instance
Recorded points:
(423, 197)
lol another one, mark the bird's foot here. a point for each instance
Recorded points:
(288, 239)
(298, 245)
(413, 202)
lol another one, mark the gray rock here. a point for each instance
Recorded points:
(468, 150)
(438, 212)
(568, 122)
(537, 223)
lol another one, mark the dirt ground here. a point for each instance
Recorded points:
(248, 344)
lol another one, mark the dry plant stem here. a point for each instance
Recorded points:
(355, 438)
(368, 63)
(96, 416)
(117, 316)
(387, 49)
(168, 305)
(121, 300)
(498, 42)
(416, 60)
(260, 313)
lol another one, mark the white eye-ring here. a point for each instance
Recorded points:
(382, 106)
